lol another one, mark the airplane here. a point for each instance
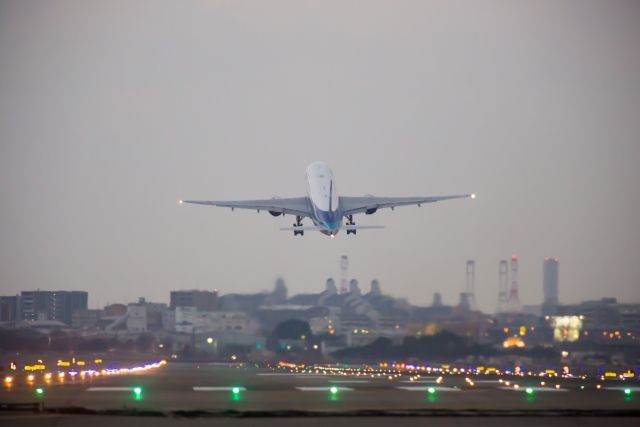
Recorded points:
(323, 205)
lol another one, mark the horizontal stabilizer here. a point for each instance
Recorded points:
(303, 228)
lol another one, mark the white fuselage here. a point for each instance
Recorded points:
(323, 198)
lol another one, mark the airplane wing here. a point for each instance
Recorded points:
(354, 205)
(293, 206)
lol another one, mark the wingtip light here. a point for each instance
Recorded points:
(473, 196)
(180, 201)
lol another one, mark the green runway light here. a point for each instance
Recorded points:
(431, 390)
(529, 390)
(333, 390)
(39, 391)
(627, 391)
(235, 390)
(137, 393)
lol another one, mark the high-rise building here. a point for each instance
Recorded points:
(201, 300)
(514, 298)
(503, 290)
(52, 305)
(344, 273)
(550, 285)
(9, 308)
(471, 287)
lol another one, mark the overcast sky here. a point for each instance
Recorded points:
(112, 111)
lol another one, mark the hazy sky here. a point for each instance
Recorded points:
(112, 111)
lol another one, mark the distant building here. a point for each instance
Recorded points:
(188, 319)
(201, 300)
(437, 300)
(86, 319)
(136, 318)
(353, 287)
(145, 316)
(375, 287)
(9, 309)
(113, 310)
(550, 285)
(52, 305)
(280, 291)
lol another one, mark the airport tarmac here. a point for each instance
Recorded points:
(225, 392)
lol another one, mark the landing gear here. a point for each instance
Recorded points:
(298, 223)
(350, 222)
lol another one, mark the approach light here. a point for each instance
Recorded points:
(333, 390)
(39, 391)
(431, 390)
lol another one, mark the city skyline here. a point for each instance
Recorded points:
(110, 113)
(549, 289)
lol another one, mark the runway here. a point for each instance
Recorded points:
(209, 390)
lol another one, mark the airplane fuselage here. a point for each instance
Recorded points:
(323, 198)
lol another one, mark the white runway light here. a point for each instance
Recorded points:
(324, 388)
(218, 388)
(110, 388)
(424, 388)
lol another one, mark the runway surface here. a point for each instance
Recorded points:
(231, 394)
